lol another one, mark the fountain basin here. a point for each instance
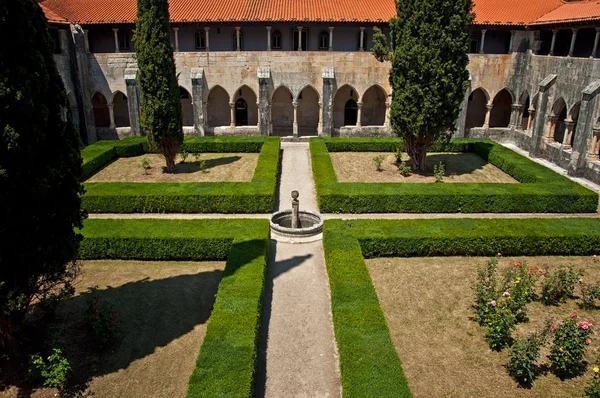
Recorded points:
(311, 224)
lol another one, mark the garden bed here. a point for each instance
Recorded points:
(207, 167)
(459, 167)
(433, 320)
(255, 196)
(540, 190)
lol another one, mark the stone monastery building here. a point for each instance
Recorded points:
(303, 68)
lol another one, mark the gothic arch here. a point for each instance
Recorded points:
(187, 111)
(476, 109)
(373, 108)
(217, 107)
(247, 95)
(101, 113)
(282, 111)
(120, 109)
(308, 111)
(501, 109)
(341, 98)
(559, 113)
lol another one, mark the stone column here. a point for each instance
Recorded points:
(488, 111)
(570, 124)
(461, 121)
(554, 33)
(362, 39)
(295, 131)
(258, 121)
(594, 150)
(331, 38)
(328, 92)
(176, 34)
(232, 114)
(86, 41)
(320, 125)
(264, 79)
(582, 140)
(551, 128)
(116, 32)
(133, 101)
(596, 39)
(510, 43)
(573, 38)
(537, 135)
(482, 40)
(531, 119)
(359, 114)
(268, 38)
(517, 111)
(198, 103)
(82, 84)
(386, 122)
(206, 31)
(111, 114)
(237, 38)
(299, 38)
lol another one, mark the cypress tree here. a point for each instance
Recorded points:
(40, 169)
(161, 115)
(429, 74)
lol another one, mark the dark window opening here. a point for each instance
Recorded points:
(276, 40)
(200, 40)
(123, 40)
(323, 40)
(304, 39)
(235, 46)
(350, 113)
(241, 112)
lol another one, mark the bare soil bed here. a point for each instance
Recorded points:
(162, 311)
(459, 167)
(427, 304)
(217, 167)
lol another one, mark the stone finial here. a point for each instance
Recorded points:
(295, 194)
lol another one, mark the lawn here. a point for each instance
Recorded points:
(162, 307)
(459, 167)
(207, 167)
(427, 305)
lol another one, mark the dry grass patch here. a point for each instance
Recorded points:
(460, 167)
(427, 304)
(217, 167)
(163, 308)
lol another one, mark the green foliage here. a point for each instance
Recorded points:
(102, 318)
(560, 285)
(369, 363)
(101, 153)
(379, 161)
(162, 116)
(589, 294)
(520, 281)
(405, 170)
(184, 153)
(145, 165)
(380, 48)
(500, 324)
(54, 370)
(485, 292)
(438, 172)
(429, 71)
(592, 390)
(257, 196)
(523, 357)
(540, 189)
(40, 169)
(568, 346)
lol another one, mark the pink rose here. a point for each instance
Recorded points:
(560, 350)
(588, 341)
(553, 327)
(506, 294)
(499, 254)
(493, 303)
(574, 316)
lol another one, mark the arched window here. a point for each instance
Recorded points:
(123, 39)
(324, 40)
(200, 40)
(235, 46)
(241, 112)
(350, 113)
(276, 40)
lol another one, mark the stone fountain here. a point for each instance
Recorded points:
(295, 223)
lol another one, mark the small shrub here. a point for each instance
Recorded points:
(560, 285)
(485, 291)
(102, 318)
(196, 156)
(202, 166)
(592, 389)
(589, 294)
(145, 165)
(438, 172)
(183, 152)
(523, 357)
(568, 346)
(54, 370)
(398, 155)
(520, 281)
(405, 170)
(500, 322)
(379, 161)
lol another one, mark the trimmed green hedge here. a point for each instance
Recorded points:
(257, 196)
(540, 190)
(368, 360)
(226, 364)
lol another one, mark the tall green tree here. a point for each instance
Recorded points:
(161, 116)
(429, 74)
(40, 169)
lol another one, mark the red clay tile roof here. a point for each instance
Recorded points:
(580, 11)
(52, 16)
(512, 12)
(124, 11)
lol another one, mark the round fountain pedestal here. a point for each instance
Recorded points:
(309, 230)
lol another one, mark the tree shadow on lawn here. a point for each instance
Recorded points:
(462, 163)
(194, 166)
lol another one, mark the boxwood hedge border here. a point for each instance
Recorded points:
(226, 364)
(369, 363)
(540, 190)
(257, 196)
